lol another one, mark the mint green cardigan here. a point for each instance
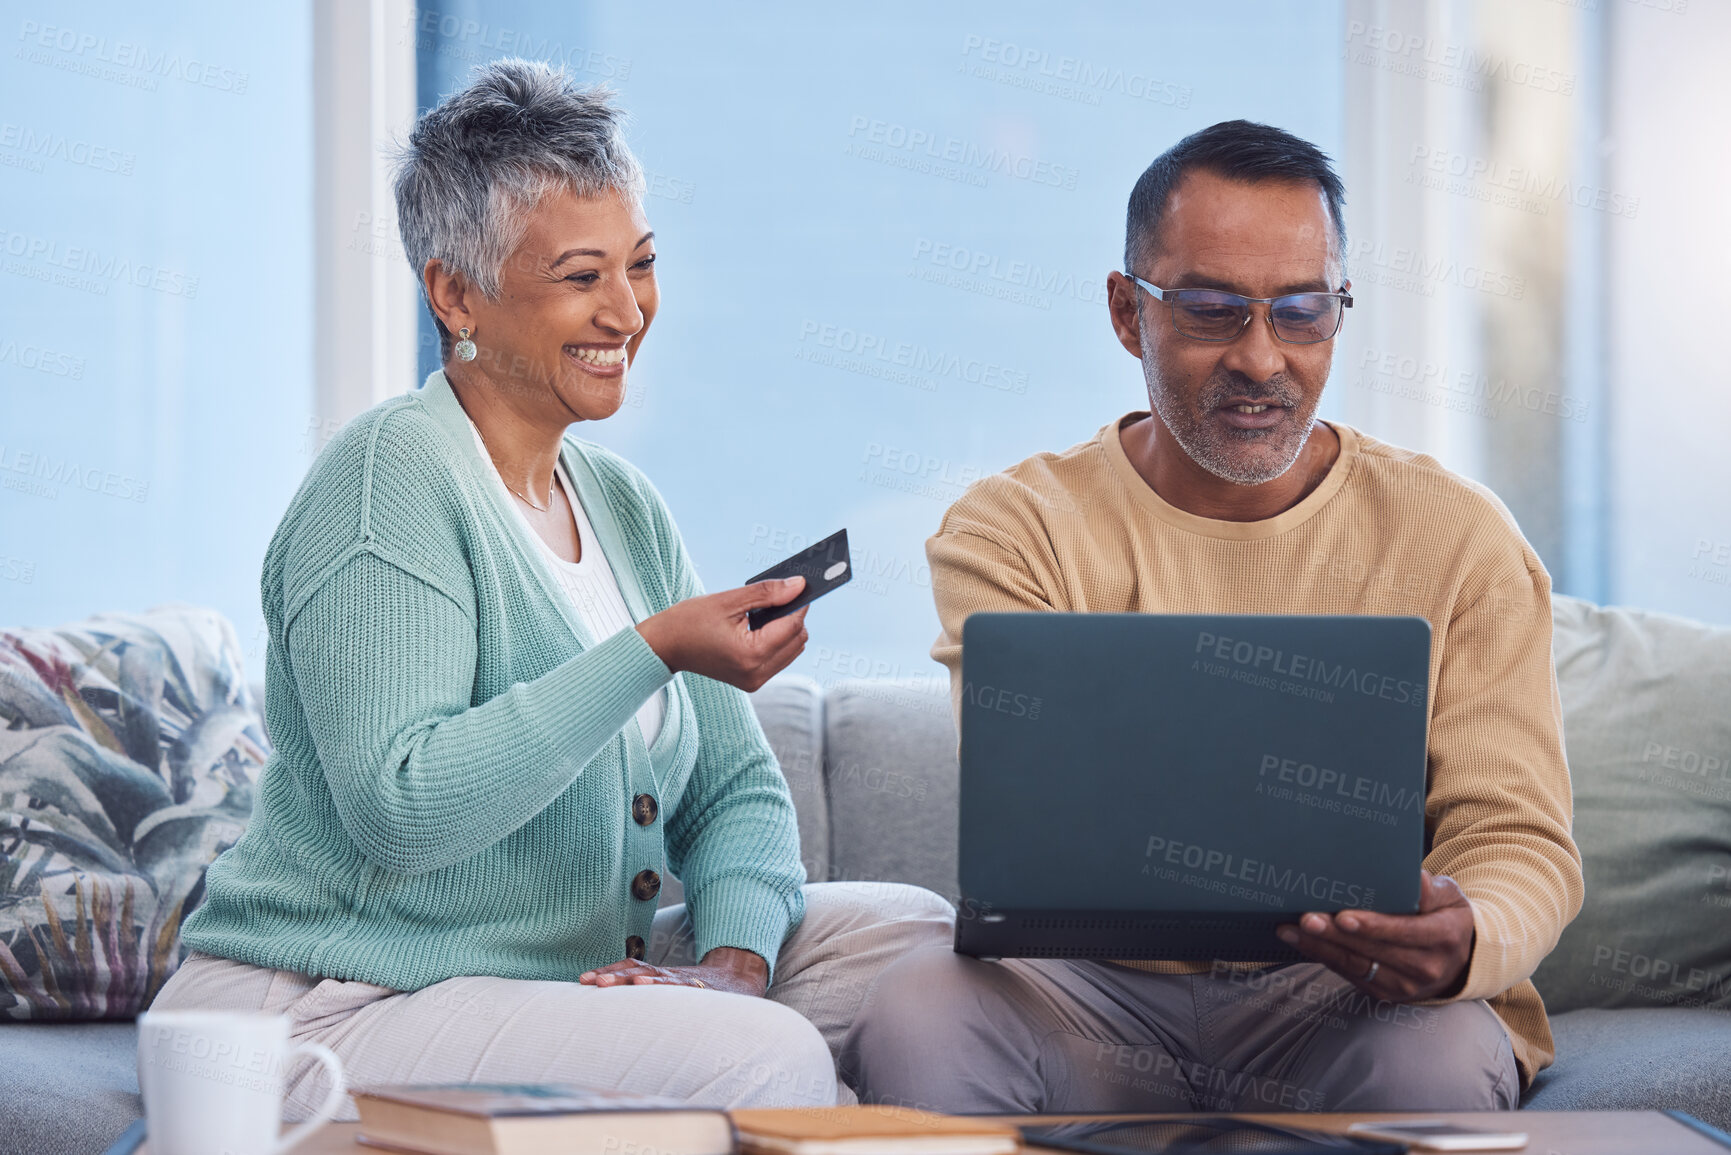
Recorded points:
(455, 757)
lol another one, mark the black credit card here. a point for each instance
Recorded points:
(824, 566)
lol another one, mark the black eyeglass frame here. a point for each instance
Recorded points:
(1163, 295)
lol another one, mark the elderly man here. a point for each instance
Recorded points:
(1231, 497)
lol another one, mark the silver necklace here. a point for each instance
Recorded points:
(507, 484)
(526, 501)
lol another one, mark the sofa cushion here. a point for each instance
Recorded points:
(71, 1088)
(1639, 1060)
(790, 709)
(1647, 722)
(128, 757)
(892, 779)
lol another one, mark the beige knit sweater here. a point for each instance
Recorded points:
(1386, 532)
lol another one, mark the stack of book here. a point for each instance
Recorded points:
(556, 1119)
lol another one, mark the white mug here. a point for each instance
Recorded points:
(213, 1082)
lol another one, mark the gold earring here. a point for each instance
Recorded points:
(465, 348)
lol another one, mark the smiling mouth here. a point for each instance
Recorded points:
(1252, 417)
(600, 358)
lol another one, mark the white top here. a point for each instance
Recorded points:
(588, 583)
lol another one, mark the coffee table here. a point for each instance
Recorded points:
(1548, 1132)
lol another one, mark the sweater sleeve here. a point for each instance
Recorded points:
(384, 661)
(734, 839)
(1498, 802)
(970, 574)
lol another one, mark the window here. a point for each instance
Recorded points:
(883, 234)
(156, 352)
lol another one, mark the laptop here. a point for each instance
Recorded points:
(1154, 786)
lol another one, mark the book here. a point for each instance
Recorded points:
(868, 1131)
(536, 1119)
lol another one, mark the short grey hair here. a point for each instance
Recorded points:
(483, 157)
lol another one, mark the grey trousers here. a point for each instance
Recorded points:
(951, 1033)
(699, 1046)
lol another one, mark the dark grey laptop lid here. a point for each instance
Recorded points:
(1141, 762)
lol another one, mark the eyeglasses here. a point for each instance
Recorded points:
(1211, 315)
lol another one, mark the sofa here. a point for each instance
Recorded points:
(1638, 988)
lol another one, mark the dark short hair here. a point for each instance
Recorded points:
(1240, 150)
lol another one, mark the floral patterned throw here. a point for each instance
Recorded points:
(129, 749)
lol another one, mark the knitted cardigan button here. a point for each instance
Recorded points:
(646, 885)
(634, 947)
(644, 808)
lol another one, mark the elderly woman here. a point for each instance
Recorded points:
(503, 705)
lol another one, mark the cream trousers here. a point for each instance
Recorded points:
(698, 1046)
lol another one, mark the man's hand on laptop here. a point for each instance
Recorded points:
(1400, 957)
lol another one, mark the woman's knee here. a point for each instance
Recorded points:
(765, 1055)
(705, 1047)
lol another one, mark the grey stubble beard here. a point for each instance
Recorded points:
(1221, 453)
